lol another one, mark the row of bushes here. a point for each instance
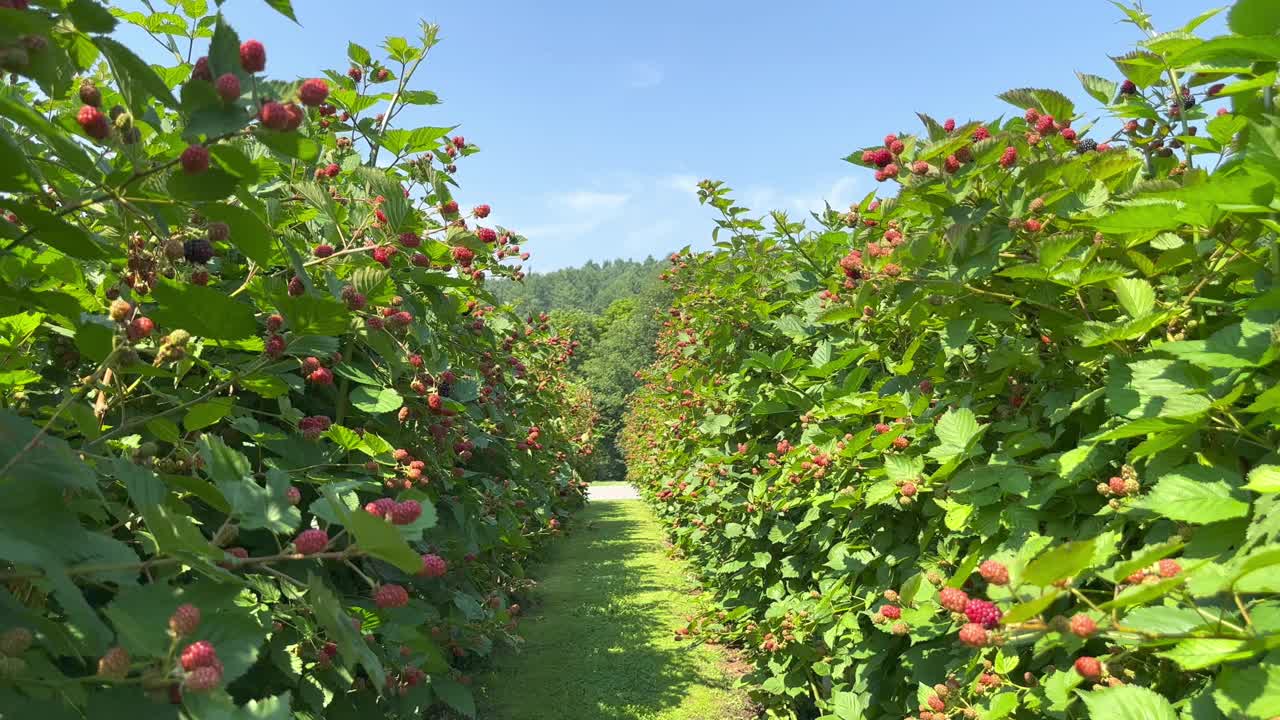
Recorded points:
(267, 449)
(1002, 442)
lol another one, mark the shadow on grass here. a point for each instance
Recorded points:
(600, 643)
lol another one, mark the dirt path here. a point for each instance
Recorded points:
(600, 639)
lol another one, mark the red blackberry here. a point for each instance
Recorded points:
(404, 513)
(310, 542)
(983, 613)
(380, 507)
(433, 566)
(313, 92)
(199, 654)
(391, 596)
(893, 612)
(203, 679)
(974, 635)
(195, 159)
(1089, 667)
(253, 56)
(93, 122)
(114, 664)
(1082, 625)
(201, 71)
(322, 376)
(228, 86)
(140, 328)
(273, 116)
(994, 572)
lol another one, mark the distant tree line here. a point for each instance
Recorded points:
(611, 308)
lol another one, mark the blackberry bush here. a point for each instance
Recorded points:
(196, 403)
(1034, 380)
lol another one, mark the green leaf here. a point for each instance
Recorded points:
(57, 233)
(352, 647)
(90, 17)
(1127, 702)
(253, 505)
(358, 54)
(202, 415)
(1200, 653)
(203, 311)
(455, 694)
(382, 540)
(957, 432)
(15, 172)
(138, 81)
(1254, 17)
(1001, 706)
(1050, 102)
(248, 232)
(314, 315)
(1164, 620)
(1249, 692)
(68, 150)
(291, 144)
(1135, 295)
(172, 531)
(1154, 388)
(1099, 88)
(376, 401)
(1141, 558)
(284, 7)
(1264, 479)
(212, 184)
(1196, 494)
(1029, 609)
(1066, 560)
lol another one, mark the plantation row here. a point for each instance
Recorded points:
(999, 440)
(267, 450)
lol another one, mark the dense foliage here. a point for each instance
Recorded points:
(1002, 443)
(267, 450)
(590, 288)
(608, 311)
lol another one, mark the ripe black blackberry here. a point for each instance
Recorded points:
(198, 250)
(1086, 145)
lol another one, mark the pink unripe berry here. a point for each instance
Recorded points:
(195, 159)
(994, 572)
(391, 596)
(228, 87)
(1089, 667)
(198, 654)
(313, 92)
(1082, 625)
(974, 635)
(310, 542)
(253, 56)
(433, 566)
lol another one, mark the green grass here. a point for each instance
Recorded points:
(600, 641)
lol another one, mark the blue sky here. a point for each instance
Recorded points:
(597, 118)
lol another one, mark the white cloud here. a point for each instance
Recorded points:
(839, 195)
(591, 201)
(631, 215)
(643, 74)
(680, 182)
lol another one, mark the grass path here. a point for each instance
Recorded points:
(600, 641)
